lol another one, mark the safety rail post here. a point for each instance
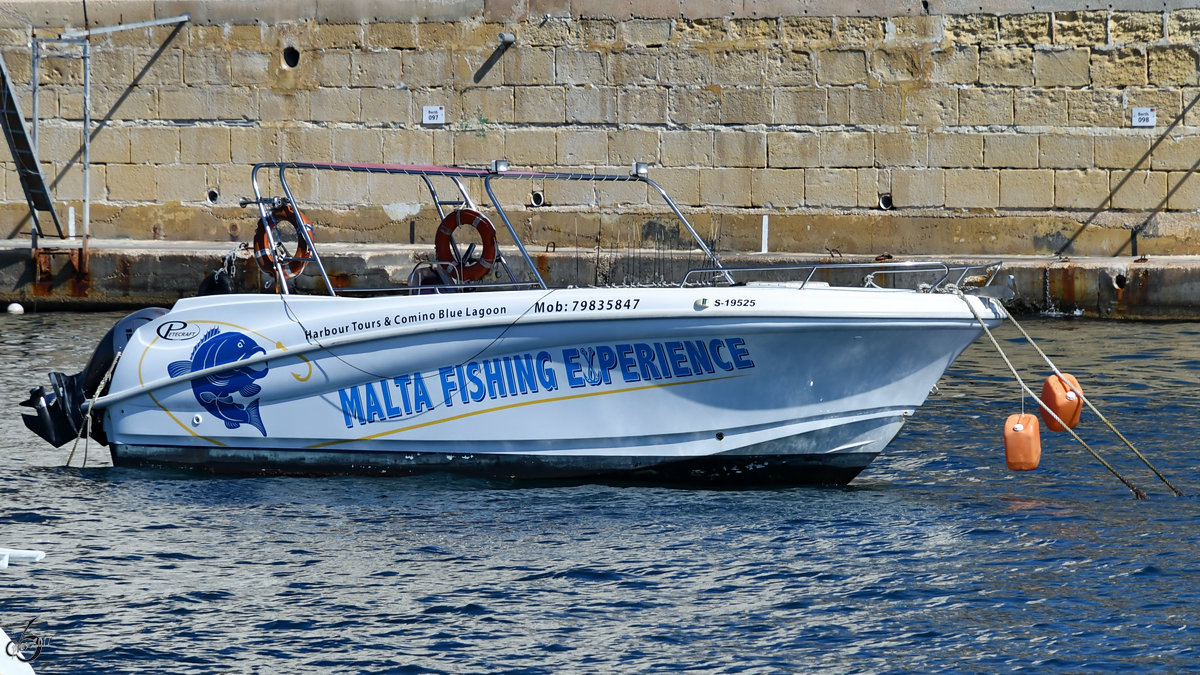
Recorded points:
(512, 232)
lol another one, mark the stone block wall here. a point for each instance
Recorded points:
(1004, 131)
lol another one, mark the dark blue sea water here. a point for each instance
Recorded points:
(936, 558)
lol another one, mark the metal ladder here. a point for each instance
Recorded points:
(33, 182)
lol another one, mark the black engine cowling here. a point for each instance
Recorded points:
(59, 414)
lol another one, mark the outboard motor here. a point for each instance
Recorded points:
(59, 414)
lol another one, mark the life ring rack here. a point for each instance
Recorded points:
(290, 265)
(465, 270)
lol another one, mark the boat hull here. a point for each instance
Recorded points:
(732, 386)
(797, 460)
(727, 470)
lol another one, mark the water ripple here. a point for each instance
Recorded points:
(936, 559)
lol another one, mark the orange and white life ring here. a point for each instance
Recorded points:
(463, 270)
(266, 255)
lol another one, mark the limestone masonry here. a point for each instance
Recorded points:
(1009, 132)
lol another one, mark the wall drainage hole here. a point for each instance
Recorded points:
(291, 57)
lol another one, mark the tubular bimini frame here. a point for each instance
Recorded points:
(499, 170)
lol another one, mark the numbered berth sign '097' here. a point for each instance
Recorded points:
(433, 114)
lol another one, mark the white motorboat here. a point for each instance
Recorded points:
(731, 376)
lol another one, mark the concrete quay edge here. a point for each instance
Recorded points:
(136, 273)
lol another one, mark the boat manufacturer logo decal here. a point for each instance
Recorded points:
(229, 394)
(177, 330)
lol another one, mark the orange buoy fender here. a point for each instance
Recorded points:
(1022, 442)
(265, 255)
(487, 232)
(1058, 393)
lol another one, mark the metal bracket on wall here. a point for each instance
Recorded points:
(71, 45)
(43, 263)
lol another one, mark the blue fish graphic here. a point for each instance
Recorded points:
(216, 391)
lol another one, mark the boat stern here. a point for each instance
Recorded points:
(59, 414)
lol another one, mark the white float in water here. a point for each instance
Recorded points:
(16, 308)
(8, 555)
